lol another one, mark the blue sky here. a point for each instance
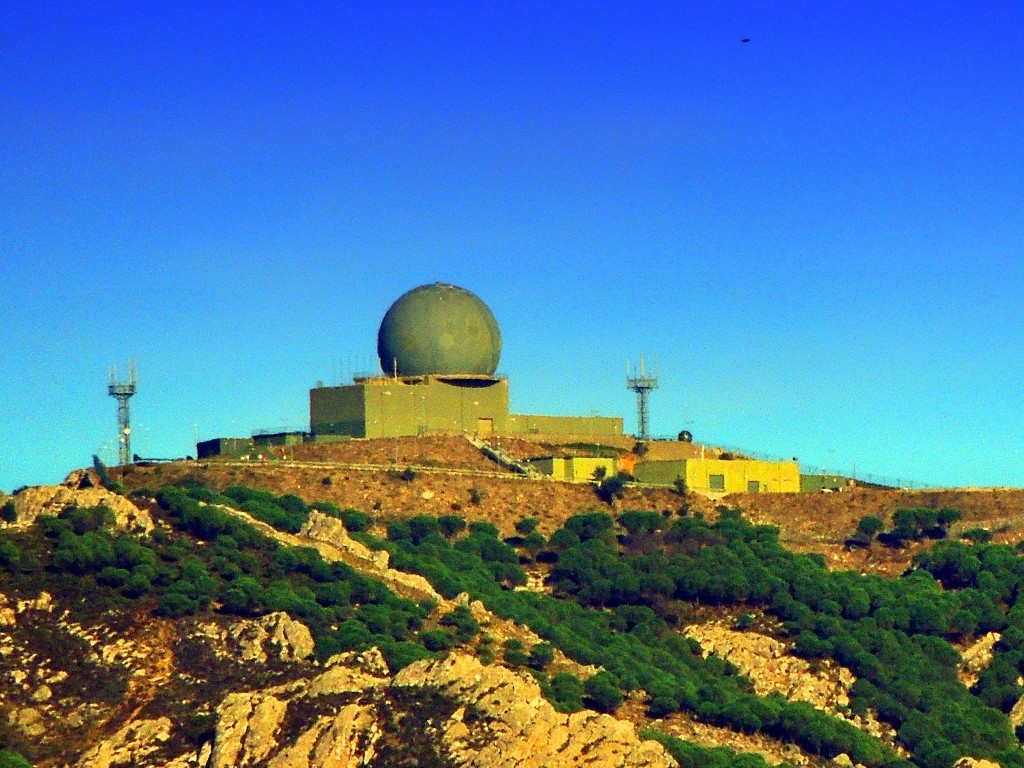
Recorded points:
(818, 232)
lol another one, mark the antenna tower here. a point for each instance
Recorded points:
(123, 390)
(642, 384)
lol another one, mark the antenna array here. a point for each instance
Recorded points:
(123, 390)
(642, 384)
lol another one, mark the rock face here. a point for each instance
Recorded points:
(768, 664)
(329, 536)
(274, 636)
(129, 746)
(452, 712)
(512, 725)
(976, 657)
(77, 491)
(771, 668)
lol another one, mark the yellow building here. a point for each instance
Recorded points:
(573, 469)
(722, 476)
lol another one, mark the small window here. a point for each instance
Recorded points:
(753, 486)
(716, 482)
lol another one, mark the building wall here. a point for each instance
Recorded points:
(584, 426)
(223, 446)
(580, 469)
(576, 469)
(819, 483)
(389, 407)
(720, 476)
(337, 411)
(280, 438)
(659, 472)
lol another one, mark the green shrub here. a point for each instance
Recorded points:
(422, 526)
(977, 535)
(566, 693)
(603, 693)
(484, 529)
(399, 531)
(10, 759)
(527, 525)
(461, 619)
(611, 489)
(437, 640)
(641, 522)
(356, 521)
(10, 555)
(541, 655)
(8, 512)
(451, 525)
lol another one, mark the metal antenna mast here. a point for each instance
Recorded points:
(642, 384)
(123, 390)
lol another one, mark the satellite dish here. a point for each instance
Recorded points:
(686, 436)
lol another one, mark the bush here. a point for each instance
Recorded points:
(484, 528)
(514, 654)
(947, 517)
(355, 521)
(8, 513)
(475, 497)
(10, 759)
(399, 531)
(592, 525)
(10, 555)
(437, 640)
(977, 535)
(870, 525)
(527, 525)
(603, 692)
(566, 693)
(541, 655)
(533, 543)
(422, 526)
(641, 522)
(451, 525)
(466, 627)
(611, 489)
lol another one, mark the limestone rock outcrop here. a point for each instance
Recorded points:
(771, 668)
(976, 657)
(131, 745)
(521, 729)
(77, 491)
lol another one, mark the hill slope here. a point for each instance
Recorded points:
(220, 624)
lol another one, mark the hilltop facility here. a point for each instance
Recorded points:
(439, 347)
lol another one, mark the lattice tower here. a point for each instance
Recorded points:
(123, 391)
(643, 384)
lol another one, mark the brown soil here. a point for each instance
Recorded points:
(449, 469)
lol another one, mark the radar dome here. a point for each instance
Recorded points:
(439, 329)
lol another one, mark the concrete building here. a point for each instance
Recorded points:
(224, 446)
(439, 347)
(573, 469)
(411, 405)
(721, 476)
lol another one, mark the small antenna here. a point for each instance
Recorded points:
(123, 391)
(643, 385)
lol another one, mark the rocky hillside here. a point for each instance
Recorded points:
(214, 617)
(97, 689)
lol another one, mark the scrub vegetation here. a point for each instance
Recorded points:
(621, 588)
